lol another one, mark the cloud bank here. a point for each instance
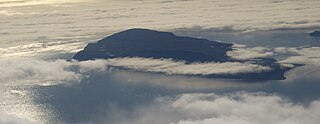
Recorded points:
(60, 20)
(233, 108)
(61, 70)
(242, 52)
(180, 67)
(307, 56)
(29, 70)
(244, 108)
(303, 55)
(14, 70)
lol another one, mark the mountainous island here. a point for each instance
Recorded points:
(153, 44)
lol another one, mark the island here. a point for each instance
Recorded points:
(145, 43)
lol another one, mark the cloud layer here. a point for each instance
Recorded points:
(233, 108)
(61, 70)
(242, 52)
(74, 23)
(35, 70)
(244, 108)
(173, 67)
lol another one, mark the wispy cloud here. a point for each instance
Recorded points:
(180, 67)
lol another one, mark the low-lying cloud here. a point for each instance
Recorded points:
(307, 56)
(36, 70)
(61, 70)
(169, 66)
(242, 52)
(233, 108)
(244, 108)
(42, 70)
(304, 55)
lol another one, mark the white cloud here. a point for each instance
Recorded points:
(34, 50)
(307, 55)
(45, 70)
(18, 3)
(234, 108)
(13, 70)
(12, 119)
(62, 70)
(242, 52)
(6, 119)
(244, 108)
(169, 66)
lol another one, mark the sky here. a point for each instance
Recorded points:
(39, 86)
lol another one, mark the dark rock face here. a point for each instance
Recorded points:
(315, 34)
(154, 44)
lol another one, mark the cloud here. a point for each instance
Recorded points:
(169, 66)
(244, 108)
(232, 108)
(36, 49)
(304, 55)
(36, 70)
(18, 3)
(178, 82)
(101, 18)
(242, 52)
(62, 70)
(308, 56)
(24, 70)
(11, 119)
